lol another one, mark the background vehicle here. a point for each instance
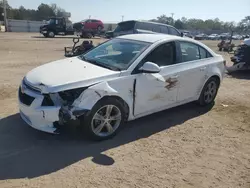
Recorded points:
(136, 27)
(125, 78)
(89, 27)
(187, 34)
(213, 37)
(241, 58)
(56, 26)
(224, 36)
(237, 37)
(201, 37)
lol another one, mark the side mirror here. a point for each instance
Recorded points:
(182, 34)
(150, 67)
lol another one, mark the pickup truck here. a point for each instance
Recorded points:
(56, 26)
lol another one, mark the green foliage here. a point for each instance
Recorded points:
(43, 12)
(205, 25)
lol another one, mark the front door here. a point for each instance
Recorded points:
(159, 90)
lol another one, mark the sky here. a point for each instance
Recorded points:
(113, 10)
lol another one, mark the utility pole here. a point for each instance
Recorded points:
(172, 18)
(172, 14)
(122, 18)
(5, 16)
(89, 16)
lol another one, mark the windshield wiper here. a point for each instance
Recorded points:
(95, 62)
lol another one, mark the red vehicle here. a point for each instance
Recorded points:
(88, 28)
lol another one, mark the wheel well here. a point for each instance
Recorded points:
(217, 78)
(126, 107)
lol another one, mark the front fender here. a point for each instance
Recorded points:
(93, 94)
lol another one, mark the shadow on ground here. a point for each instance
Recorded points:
(25, 152)
(241, 74)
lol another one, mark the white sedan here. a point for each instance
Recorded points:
(120, 80)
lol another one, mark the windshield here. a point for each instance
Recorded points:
(125, 26)
(116, 54)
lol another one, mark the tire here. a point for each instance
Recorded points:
(89, 35)
(99, 28)
(45, 35)
(209, 92)
(90, 122)
(51, 34)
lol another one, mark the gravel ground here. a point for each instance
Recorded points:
(187, 146)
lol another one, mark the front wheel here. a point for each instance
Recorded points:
(104, 120)
(209, 92)
(51, 34)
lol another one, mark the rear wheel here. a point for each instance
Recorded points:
(209, 91)
(51, 34)
(99, 28)
(104, 120)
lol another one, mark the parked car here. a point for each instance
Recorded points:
(237, 37)
(120, 80)
(89, 27)
(201, 37)
(135, 27)
(56, 26)
(187, 34)
(214, 37)
(224, 36)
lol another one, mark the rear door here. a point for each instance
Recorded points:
(60, 26)
(193, 68)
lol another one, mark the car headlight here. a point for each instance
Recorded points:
(70, 96)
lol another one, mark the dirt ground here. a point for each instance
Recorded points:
(184, 147)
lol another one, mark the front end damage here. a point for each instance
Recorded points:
(48, 112)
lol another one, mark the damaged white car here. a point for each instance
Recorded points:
(120, 80)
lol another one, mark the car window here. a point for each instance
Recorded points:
(156, 28)
(164, 29)
(189, 51)
(173, 31)
(163, 55)
(144, 26)
(204, 53)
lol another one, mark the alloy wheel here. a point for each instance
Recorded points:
(106, 120)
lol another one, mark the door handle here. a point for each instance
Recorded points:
(203, 68)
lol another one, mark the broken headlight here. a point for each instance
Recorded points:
(70, 96)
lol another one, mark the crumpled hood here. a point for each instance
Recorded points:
(67, 74)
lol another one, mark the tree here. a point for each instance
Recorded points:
(179, 24)
(8, 7)
(164, 19)
(44, 12)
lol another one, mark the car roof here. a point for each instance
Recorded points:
(151, 38)
(144, 21)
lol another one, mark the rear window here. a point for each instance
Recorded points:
(125, 26)
(173, 31)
